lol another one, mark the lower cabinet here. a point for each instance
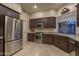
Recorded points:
(71, 47)
(77, 48)
(63, 43)
(31, 37)
(55, 40)
(46, 38)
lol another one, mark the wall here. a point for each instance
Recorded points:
(25, 16)
(14, 6)
(41, 14)
(70, 6)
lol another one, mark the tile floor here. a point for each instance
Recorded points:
(35, 49)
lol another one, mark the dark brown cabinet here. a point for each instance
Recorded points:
(50, 39)
(77, 15)
(54, 39)
(32, 23)
(62, 42)
(65, 43)
(48, 22)
(71, 46)
(47, 38)
(31, 37)
(8, 12)
(77, 48)
(51, 22)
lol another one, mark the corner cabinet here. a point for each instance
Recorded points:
(48, 22)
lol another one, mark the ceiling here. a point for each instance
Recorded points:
(29, 7)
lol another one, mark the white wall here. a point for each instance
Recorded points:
(14, 6)
(71, 6)
(40, 14)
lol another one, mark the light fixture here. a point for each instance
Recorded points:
(35, 6)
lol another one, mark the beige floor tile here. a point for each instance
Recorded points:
(35, 49)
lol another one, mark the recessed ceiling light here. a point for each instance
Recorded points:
(35, 6)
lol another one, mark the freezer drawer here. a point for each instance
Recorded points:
(8, 48)
(16, 45)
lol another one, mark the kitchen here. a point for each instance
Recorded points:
(44, 26)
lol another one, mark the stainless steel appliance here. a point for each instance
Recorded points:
(39, 25)
(12, 35)
(38, 37)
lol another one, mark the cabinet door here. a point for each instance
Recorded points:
(47, 39)
(51, 22)
(77, 15)
(71, 46)
(77, 48)
(31, 37)
(44, 20)
(55, 40)
(32, 23)
(62, 42)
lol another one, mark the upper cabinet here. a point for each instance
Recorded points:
(47, 22)
(77, 15)
(51, 22)
(32, 23)
(8, 12)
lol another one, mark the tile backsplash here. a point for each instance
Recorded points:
(46, 30)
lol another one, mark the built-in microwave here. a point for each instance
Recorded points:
(39, 25)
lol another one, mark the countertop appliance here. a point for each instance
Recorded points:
(38, 37)
(11, 31)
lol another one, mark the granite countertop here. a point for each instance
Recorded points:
(74, 37)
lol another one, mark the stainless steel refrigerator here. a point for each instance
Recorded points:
(11, 34)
